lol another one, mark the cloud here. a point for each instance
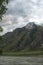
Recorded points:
(20, 7)
(20, 12)
(24, 8)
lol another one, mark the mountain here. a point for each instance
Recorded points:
(27, 38)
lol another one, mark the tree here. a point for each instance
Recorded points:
(3, 7)
(1, 29)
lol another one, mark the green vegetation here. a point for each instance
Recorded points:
(3, 7)
(0, 38)
(21, 53)
(1, 29)
(1, 52)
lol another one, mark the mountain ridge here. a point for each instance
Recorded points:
(26, 38)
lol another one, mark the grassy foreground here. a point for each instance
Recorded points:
(30, 53)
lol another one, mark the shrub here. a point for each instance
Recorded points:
(0, 52)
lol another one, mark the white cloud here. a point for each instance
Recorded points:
(20, 12)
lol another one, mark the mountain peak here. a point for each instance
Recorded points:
(30, 25)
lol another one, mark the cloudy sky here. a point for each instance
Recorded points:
(21, 12)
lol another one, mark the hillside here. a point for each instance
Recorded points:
(27, 38)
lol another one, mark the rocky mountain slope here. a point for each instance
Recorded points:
(27, 38)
